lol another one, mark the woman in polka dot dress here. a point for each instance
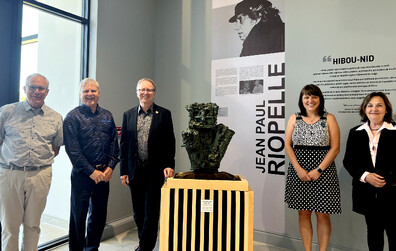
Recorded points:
(312, 142)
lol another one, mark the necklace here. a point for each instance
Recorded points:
(312, 120)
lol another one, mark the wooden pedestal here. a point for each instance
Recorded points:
(206, 215)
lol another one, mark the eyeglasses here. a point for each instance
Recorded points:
(146, 90)
(33, 88)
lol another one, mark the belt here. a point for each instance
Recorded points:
(22, 168)
(100, 167)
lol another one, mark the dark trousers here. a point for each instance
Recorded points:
(146, 196)
(381, 219)
(87, 197)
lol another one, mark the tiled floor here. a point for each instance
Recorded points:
(128, 240)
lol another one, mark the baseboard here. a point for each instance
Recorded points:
(277, 240)
(288, 242)
(111, 229)
(117, 227)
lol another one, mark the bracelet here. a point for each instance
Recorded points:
(320, 171)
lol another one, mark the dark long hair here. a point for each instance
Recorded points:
(389, 112)
(315, 91)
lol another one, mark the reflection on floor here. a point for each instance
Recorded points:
(129, 240)
(50, 232)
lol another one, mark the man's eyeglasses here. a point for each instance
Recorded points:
(146, 90)
(33, 88)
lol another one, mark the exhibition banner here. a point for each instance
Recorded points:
(248, 84)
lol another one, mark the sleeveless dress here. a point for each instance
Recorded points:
(311, 143)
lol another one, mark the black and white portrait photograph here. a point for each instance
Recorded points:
(251, 27)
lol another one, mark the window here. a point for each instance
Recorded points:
(72, 6)
(55, 44)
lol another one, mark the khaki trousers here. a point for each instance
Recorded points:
(23, 195)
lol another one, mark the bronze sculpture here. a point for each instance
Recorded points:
(206, 142)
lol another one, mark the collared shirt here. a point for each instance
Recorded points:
(27, 135)
(90, 139)
(373, 142)
(143, 129)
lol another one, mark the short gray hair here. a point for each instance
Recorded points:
(146, 79)
(28, 79)
(89, 80)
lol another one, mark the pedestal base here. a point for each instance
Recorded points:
(206, 215)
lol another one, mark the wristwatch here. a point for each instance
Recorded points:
(319, 170)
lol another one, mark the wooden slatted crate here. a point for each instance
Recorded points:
(206, 215)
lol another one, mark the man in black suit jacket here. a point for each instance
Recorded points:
(147, 157)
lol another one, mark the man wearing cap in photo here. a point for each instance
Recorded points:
(259, 26)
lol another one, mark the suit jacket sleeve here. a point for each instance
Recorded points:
(170, 149)
(161, 141)
(357, 157)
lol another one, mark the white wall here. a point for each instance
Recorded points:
(170, 41)
(124, 54)
(182, 62)
(62, 68)
(338, 28)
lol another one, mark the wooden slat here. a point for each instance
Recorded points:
(164, 222)
(176, 219)
(185, 203)
(237, 219)
(228, 248)
(193, 217)
(249, 210)
(211, 224)
(202, 226)
(232, 185)
(220, 220)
